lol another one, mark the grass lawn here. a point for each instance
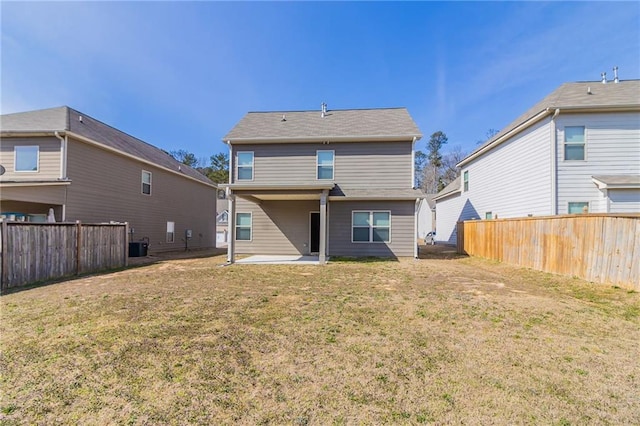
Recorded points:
(438, 340)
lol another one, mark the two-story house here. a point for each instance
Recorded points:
(575, 151)
(86, 170)
(323, 183)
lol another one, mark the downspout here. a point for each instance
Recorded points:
(413, 162)
(415, 228)
(63, 170)
(554, 164)
(230, 161)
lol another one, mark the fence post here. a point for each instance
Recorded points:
(78, 246)
(4, 274)
(460, 238)
(126, 244)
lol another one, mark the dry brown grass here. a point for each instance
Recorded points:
(432, 341)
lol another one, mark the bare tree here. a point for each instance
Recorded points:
(449, 161)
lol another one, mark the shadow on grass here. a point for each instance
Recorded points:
(365, 259)
(439, 251)
(134, 263)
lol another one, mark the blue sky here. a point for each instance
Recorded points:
(180, 75)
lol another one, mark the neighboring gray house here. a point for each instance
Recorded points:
(86, 170)
(222, 219)
(576, 151)
(336, 182)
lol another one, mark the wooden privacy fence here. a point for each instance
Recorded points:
(603, 248)
(33, 252)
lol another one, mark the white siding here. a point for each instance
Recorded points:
(612, 147)
(425, 219)
(449, 211)
(514, 179)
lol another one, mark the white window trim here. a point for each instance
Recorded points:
(142, 183)
(173, 233)
(565, 143)
(333, 163)
(253, 169)
(465, 174)
(235, 233)
(581, 202)
(371, 227)
(15, 159)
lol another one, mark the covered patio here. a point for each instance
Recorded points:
(259, 194)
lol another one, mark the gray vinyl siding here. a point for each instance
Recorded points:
(278, 227)
(402, 229)
(356, 165)
(48, 162)
(107, 187)
(612, 147)
(514, 179)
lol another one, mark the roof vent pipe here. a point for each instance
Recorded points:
(604, 77)
(324, 109)
(615, 75)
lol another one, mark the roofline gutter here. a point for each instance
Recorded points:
(542, 114)
(258, 187)
(133, 157)
(440, 197)
(307, 139)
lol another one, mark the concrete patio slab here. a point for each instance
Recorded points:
(262, 259)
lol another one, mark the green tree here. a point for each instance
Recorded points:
(430, 172)
(218, 171)
(185, 157)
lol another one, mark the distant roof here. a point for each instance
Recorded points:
(336, 125)
(575, 96)
(65, 119)
(430, 200)
(452, 188)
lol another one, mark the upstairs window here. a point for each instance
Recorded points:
(324, 164)
(146, 182)
(574, 143)
(26, 158)
(371, 227)
(245, 165)
(466, 180)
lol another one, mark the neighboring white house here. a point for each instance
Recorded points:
(426, 216)
(576, 151)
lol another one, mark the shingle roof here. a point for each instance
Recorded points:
(581, 95)
(376, 193)
(67, 119)
(384, 123)
(452, 188)
(619, 179)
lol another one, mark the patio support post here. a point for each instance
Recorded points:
(231, 220)
(322, 255)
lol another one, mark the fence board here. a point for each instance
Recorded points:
(32, 252)
(602, 248)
